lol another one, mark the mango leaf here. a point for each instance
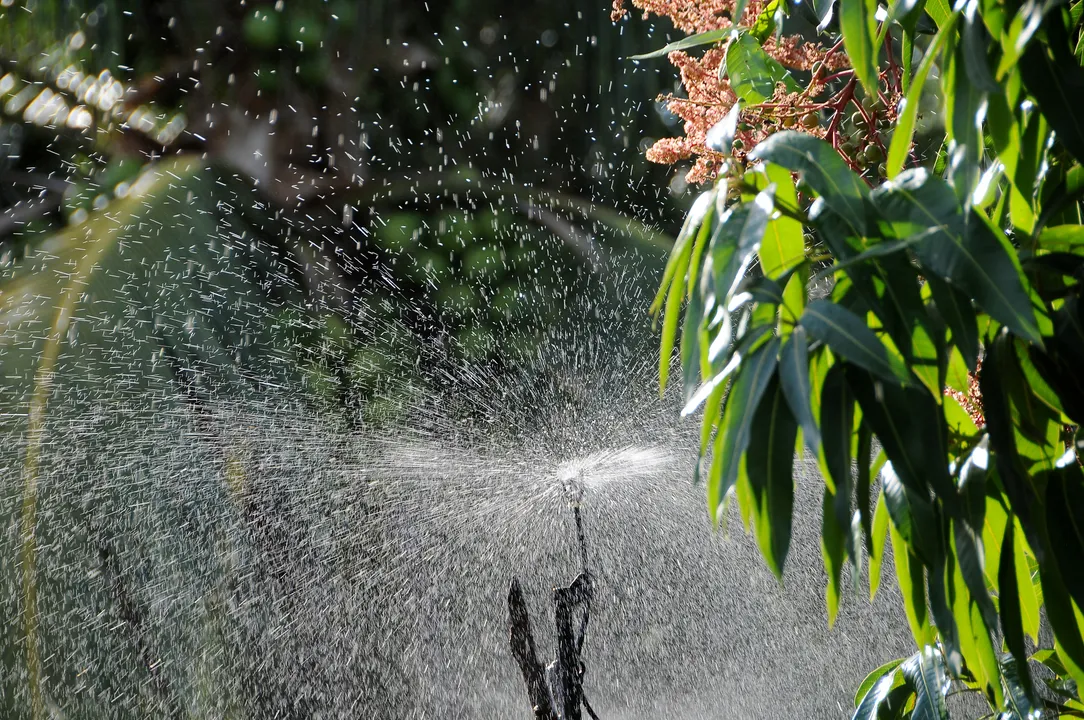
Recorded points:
(821, 167)
(736, 241)
(928, 677)
(910, 426)
(783, 248)
(960, 248)
(1012, 626)
(672, 289)
(912, 586)
(848, 335)
(753, 73)
(730, 445)
(769, 466)
(905, 124)
(975, 40)
(823, 9)
(711, 37)
(694, 316)
(873, 691)
(794, 381)
(833, 542)
(859, 28)
(1062, 237)
(1056, 80)
(878, 536)
(1065, 526)
(1019, 695)
(720, 137)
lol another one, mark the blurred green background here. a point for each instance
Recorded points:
(450, 173)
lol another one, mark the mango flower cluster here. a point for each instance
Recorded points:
(709, 95)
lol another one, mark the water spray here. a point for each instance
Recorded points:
(556, 692)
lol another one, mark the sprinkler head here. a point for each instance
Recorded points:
(572, 482)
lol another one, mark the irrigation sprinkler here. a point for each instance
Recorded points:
(556, 691)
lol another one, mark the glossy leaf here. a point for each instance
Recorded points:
(1056, 80)
(912, 584)
(711, 37)
(769, 466)
(1012, 625)
(753, 73)
(905, 124)
(873, 691)
(821, 168)
(878, 537)
(848, 335)
(795, 384)
(720, 137)
(736, 241)
(733, 439)
(859, 28)
(694, 314)
(928, 678)
(956, 310)
(837, 424)
(958, 247)
(1065, 526)
(833, 542)
(909, 424)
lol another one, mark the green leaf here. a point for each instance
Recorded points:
(720, 137)
(822, 169)
(1012, 626)
(859, 28)
(1018, 689)
(1029, 601)
(873, 691)
(783, 247)
(735, 242)
(912, 588)
(941, 13)
(823, 9)
(730, 445)
(694, 316)
(674, 281)
(1065, 526)
(794, 380)
(837, 423)
(683, 246)
(910, 425)
(878, 537)
(769, 466)
(833, 540)
(1062, 237)
(975, 40)
(753, 73)
(1056, 80)
(959, 248)
(711, 37)
(955, 308)
(928, 677)
(969, 556)
(905, 124)
(848, 335)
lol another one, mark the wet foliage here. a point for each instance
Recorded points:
(918, 324)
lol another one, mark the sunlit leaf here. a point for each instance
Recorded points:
(733, 438)
(753, 73)
(928, 677)
(1056, 80)
(822, 169)
(873, 691)
(859, 28)
(1012, 626)
(795, 383)
(770, 465)
(958, 247)
(711, 37)
(848, 335)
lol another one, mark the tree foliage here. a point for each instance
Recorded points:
(920, 324)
